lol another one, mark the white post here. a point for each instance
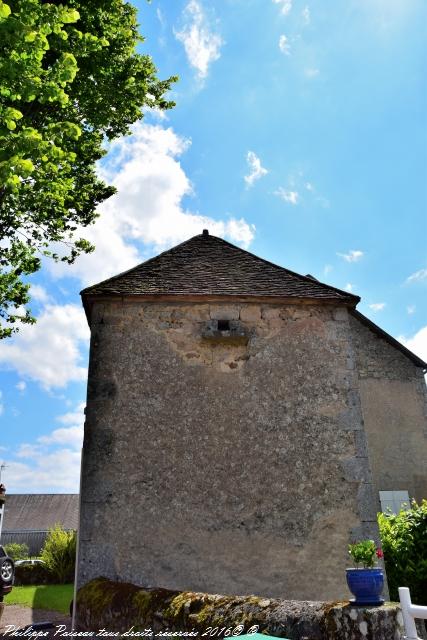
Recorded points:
(410, 612)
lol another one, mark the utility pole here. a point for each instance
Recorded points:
(2, 468)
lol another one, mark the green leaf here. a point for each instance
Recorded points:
(4, 10)
(31, 36)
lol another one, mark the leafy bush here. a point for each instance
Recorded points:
(404, 540)
(17, 551)
(59, 554)
(33, 574)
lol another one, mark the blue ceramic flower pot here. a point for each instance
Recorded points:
(366, 585)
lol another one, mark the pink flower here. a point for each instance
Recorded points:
(380, 553)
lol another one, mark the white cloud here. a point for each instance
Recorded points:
(417, 344)
(309, 186)
(160, 17)
(39, 293)
(148, 207)
(52, 462)
(256, 171)
(411, 309)
(286, 6)
(351, 256)
(327, 269)
(156, 113)
(21, 386)
(69, 435)
(349, 287)
(73, 417)
(201, 45)
(284, 45)
(291, 197)
(377, 306)
(306, 14)
(57, 471)
(48, 351)
(418, 276)
(72, 436)
(28, 450)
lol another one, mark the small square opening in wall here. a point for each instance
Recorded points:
(223, 325)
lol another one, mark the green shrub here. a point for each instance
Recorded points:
(59, 554)
(17, 551)
(404, 542)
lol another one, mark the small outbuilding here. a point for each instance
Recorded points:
(241, 422)
(29, 516)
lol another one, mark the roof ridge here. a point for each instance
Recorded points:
(293, 273)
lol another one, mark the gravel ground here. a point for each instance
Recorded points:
(23, 616)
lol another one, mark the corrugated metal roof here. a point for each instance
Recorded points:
(35, 511)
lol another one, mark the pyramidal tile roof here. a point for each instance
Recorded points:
(206, 265)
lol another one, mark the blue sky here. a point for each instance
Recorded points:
(300, 133)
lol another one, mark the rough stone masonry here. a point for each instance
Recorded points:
(225, 449)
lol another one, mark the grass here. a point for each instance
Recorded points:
(54, 597)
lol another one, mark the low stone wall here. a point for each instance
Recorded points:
(118, 607)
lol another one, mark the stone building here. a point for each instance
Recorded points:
(241, 421)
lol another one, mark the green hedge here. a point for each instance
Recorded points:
(33, 574)
(404, 542)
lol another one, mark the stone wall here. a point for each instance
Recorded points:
(118, 607)
(229, 466)
(394, 405)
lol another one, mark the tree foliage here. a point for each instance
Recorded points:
(404, 541)
(69, 79)
(59, 554)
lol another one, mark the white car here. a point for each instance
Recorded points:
(28, 562)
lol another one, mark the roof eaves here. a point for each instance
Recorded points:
(386, 336)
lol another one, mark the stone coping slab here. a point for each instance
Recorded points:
(122, 607)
